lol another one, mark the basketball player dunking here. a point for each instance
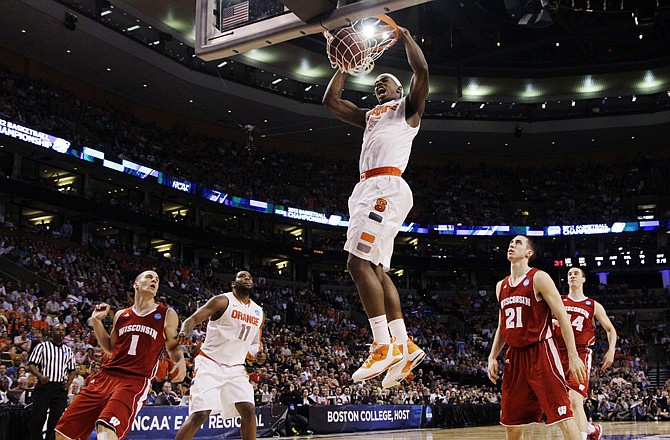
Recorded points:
(378, 206)
(582, 312)
(533, 380)
(115, 395)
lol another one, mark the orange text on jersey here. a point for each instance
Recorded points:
(383, 109)
(253, 320)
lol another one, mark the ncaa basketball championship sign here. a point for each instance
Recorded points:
(162, 422)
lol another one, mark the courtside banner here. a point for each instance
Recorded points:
(325, 419)
(162, 422)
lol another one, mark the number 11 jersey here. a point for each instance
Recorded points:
(230, 337)
(525, 320)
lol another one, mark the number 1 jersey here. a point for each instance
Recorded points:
(230, 337)
(525, 320)
(140, 340)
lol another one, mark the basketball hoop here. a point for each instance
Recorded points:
(353, 49)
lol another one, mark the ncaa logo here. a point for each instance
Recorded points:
(526, 282)
(158, 316)
(258, 313)
(429, 413)
(588, 303)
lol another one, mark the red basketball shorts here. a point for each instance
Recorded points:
(113, 401)
(586, 356)
(533, 383)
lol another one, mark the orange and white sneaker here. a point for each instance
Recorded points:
(412, 356)
(381, 358)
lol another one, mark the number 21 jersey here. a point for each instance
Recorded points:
(525, 320)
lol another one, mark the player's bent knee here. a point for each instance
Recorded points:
(105, 433)
(246, 409)
(514, 432)
(199, 417)
(576, 399)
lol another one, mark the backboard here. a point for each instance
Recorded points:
(229, 27)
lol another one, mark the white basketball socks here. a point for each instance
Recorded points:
(398, 330)
(380, 329)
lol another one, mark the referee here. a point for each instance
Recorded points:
(54, 366)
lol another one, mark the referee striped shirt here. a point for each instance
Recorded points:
(54, 362)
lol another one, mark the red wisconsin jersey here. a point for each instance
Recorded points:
(582, 319)
(525, 320)
(139, 343)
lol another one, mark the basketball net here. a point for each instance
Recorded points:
(376, 34)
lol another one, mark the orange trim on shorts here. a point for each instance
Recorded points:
(203, 354)
(381, 171)
(368, 237)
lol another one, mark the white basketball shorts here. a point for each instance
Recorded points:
(377, 208)
(218, 388)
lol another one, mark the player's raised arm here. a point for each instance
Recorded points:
(497, 345)
(345, 111)
(214, 307)
(418, 92)
(545, 286)
(604, 320)
(104, 339)
(173, 347)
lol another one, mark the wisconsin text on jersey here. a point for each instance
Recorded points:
(515, 300)
(578, 310)
(253, 320)
(139, 328)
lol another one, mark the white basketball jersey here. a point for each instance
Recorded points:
(387, 139)
(230, 337)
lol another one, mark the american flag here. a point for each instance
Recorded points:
(235, 14)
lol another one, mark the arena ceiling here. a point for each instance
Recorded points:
(610, 65)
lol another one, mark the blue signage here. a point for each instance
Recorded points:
(324, 419)
(161, 422)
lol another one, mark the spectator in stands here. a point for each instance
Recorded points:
(3, 374)
(4, 387)
(165, 365)
(13, 371)
(23, 384)
(167, 396)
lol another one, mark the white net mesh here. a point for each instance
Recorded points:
(353, 49)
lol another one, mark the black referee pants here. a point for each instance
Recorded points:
(51, 397)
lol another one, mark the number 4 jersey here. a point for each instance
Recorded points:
(140, 340)
(230, 337)
(581, 314)
(525, 320)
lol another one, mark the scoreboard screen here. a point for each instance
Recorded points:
(640, 259)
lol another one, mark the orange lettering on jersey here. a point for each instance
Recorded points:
(236, 314)
(383, 109)
(381, 205)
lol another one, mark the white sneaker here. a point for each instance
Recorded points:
(412, 357)
(381, 358)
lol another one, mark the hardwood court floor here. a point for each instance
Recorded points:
(612, 431)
